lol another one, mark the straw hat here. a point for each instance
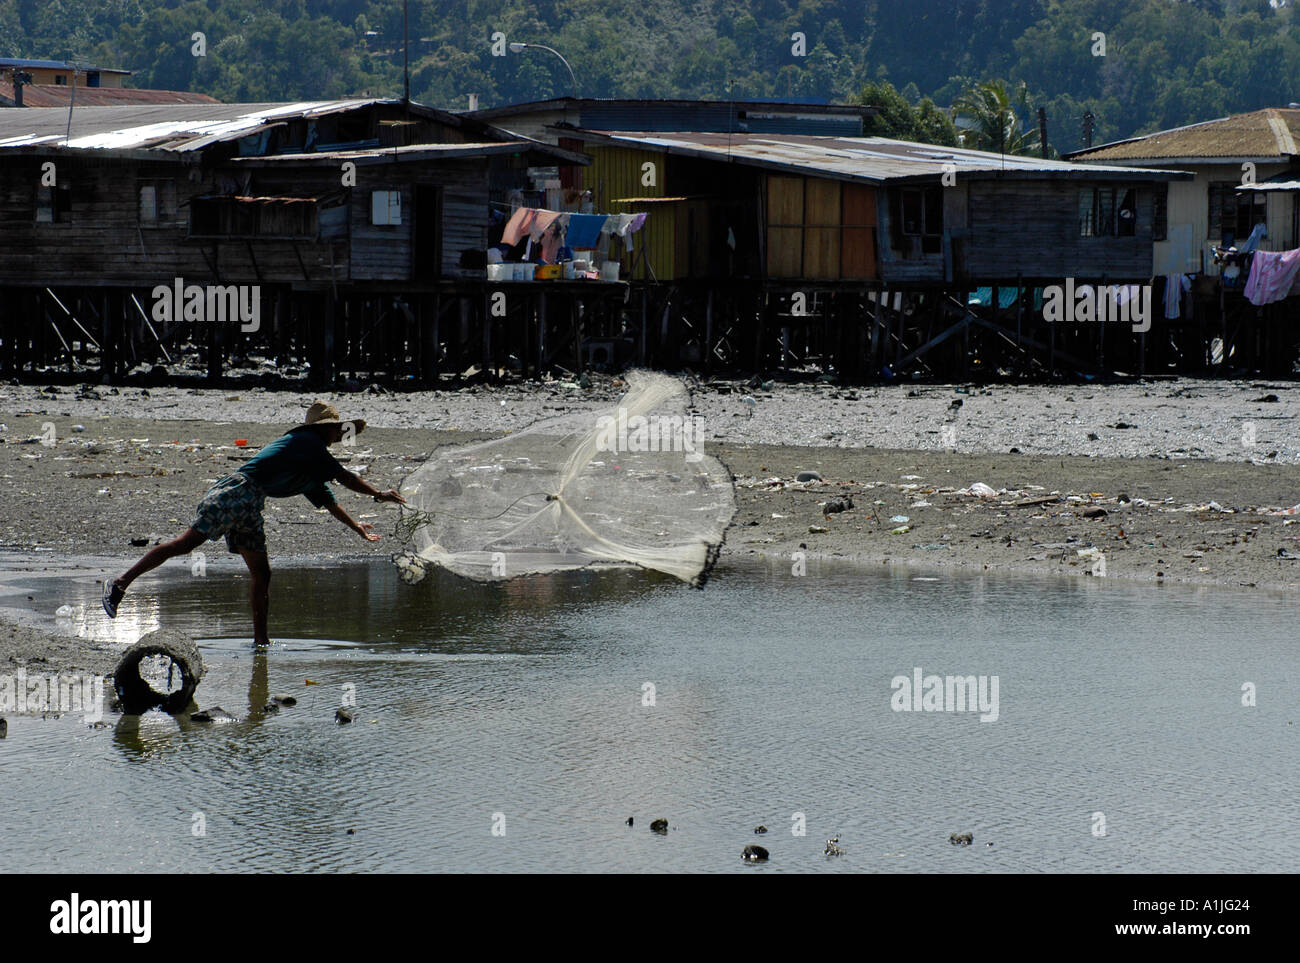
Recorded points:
(323, 413)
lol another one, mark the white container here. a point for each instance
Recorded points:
(581, 266)
(500, 272)
(569, 271)
(524, 272)
(609, 271)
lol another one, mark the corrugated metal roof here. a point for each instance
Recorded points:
(872, 159)
(1264, 134)
(416, 152)
(1286, 181)
(58, 95)
(174, 127)
(565, 103)
(22, 62)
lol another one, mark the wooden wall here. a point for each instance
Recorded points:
(820, 229)
(1031, 228)
(383, 252)
(104, 240)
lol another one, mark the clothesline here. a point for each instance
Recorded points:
(553, 229)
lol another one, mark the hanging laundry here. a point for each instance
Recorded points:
(1175, 286)
(1258, 233)
(551, 243)
(1273, 276)
(541, 221)
(585, 229)
(518, 225)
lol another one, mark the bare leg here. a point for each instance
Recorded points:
(186, 542)
(259, 593)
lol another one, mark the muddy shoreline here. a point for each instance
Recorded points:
(124, 467)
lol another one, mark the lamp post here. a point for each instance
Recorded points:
(521, 47)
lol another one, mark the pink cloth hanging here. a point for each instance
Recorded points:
(1273, 275)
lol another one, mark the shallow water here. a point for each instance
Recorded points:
(772, 696)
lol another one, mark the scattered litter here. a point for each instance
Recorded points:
(980, 490)
(817, 530)
(900, 519)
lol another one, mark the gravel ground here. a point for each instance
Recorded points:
(1214, 420)
(1178, 485)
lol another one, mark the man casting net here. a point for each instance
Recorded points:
(628, 486)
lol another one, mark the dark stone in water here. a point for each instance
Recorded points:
(659, 826)
(4, 728)
(629, 820)
(754, 854)
(961, 839)
(760, 830)
(284, 700)
(270, 708)
(342, 716)
(215, 714)
(833, 847)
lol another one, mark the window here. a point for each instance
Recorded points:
(61, 80)
(1233, 215)
(1108, 212)
(54, 205)
(919, 214)
(385, 207)
(1126, 214)
(251, 217)
(1160, 214)
(157, 203)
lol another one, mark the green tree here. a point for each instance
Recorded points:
(990, 118)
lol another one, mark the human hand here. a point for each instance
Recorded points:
(368, 533)
(392, 495)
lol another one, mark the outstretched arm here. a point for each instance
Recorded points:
(365, 531)
(362, 487)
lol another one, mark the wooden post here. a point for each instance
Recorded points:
(707, 355)
(488, 371)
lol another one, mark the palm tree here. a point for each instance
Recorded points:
(989, 118)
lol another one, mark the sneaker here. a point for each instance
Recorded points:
(112, 597)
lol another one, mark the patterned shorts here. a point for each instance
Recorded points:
(233, 508)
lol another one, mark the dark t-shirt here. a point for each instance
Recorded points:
(298, 463)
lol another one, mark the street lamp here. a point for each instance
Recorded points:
(521, 47)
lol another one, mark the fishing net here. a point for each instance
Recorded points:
(631, 485)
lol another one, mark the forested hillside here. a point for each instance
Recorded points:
(1158, 63)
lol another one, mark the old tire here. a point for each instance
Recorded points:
(136, 695)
